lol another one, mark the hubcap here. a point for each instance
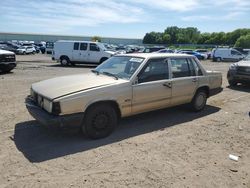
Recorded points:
(64, 62)
(200, 100)
(100, 121)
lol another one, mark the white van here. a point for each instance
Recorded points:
(226, 54)
(71, 52)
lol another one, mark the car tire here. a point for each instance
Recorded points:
(64, 61)
(232, 83)
(100, 121)
(199, 100)
(218, 59)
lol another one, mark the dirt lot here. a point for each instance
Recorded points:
(166, 148)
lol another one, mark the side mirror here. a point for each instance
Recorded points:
(136, 81)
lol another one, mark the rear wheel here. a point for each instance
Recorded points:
(64, 61)
(100, 121)
(199, 101)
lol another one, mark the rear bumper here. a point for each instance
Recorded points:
(50, 120)
(215, 91)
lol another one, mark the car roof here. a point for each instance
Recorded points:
(155, 55)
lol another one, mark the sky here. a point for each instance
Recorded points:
(121, 18)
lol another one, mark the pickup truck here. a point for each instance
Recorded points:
(7, 61)
(239, 72)
(123, 85)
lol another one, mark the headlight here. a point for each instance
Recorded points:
(47, 105)
(233, 67)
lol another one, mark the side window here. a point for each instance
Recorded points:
(93, 47)
(180, 68)
(196, 67)
(233, 52)
(155, 69)
(83, 46)
(76, 46)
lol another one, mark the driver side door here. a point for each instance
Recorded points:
(153, 90)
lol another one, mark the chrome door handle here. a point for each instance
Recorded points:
(167, 84)
(194, 80)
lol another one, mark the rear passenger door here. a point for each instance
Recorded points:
(184, 80)
(80, 52)
(84, 52)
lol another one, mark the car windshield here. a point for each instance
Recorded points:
(101, 46)
(119, 66)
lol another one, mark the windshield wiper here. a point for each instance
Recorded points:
(95, 71)
(110, 74)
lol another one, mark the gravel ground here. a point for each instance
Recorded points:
(166, 148)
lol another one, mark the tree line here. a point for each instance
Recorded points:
(191, 35)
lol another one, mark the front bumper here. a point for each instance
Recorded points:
(7, 65)
(234, 76)
(50, 120)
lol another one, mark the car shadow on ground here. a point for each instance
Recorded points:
(40, 144)
(241, 87)
(5, 73)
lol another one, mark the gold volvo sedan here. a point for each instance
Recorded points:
(123, 85)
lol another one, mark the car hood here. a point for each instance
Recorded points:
(243, 63)
(61, 86)
(110, 52)
(5, 52)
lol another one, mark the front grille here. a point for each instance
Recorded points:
(243, 70)
(7, 58)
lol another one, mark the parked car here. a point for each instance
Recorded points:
(43, 49)
(7, 61)
(37, 48)
(239, 72)
(26, 50)
(71, 52)
(205, 52)
(8, 48)
(196, 54)
(49, 47)
(166, 50)
(226, 54)
(150, 49)
(122, 86)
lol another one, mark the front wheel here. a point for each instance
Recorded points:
(100, 121)
(232, 82)
(218, 59)
(199, 101)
